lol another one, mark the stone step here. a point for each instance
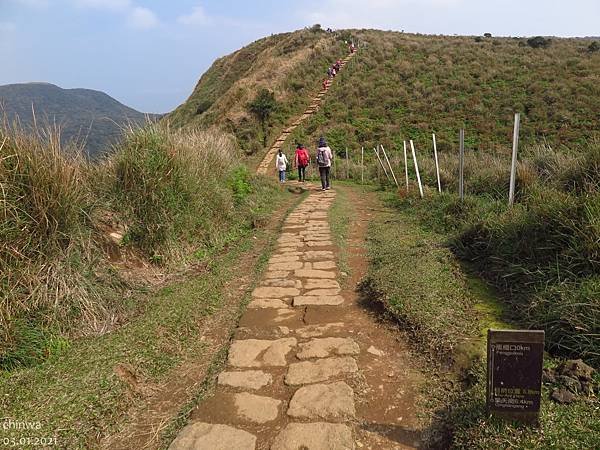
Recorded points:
(314, 436)
(332, 402)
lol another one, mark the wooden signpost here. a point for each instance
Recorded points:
(514, 374)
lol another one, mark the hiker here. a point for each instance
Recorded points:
(330, 72)
(324, 158)
(301, 160)
(333, 72)
(281, 163)
(325, 84)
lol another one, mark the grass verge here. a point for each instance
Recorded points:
(446, 311)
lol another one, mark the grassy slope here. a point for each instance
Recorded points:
(406, 86)
(290, 64)
(447, 312)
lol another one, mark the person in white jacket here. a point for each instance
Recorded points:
(281, 164)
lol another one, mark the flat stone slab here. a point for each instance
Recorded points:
(326, 347)
(319, 244)
(282, 283)
(323, 300)
(274, 292)
(324, 265)
(249, 379)
(282, 259)
(309, 285)
(268, 303)
(322, 292)
(256, 408)
(316, 255)
(307, 372)
(259, 353)
(208, 436)
(314, 436)
(319, 330)
(333, 401)
(307, 273)
(277, 274)
(290, 265)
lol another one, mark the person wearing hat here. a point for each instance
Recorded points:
(324, 158)
(301, 160)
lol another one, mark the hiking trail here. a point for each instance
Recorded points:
(310, 367)
(266, 163)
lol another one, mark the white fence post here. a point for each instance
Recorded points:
(461, 166)
(412, 146)
(437, 164)
(362, 165)
(389, 165)
(513, 167)
(406, 166)
(380, 162)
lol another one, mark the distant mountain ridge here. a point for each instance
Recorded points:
(88, 116)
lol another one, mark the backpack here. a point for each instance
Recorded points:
(322, 157)
(303, 158)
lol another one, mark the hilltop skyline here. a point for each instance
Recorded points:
(149, 55)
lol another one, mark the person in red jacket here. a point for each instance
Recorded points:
(301, 160)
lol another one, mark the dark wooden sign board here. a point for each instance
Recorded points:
(514, 374)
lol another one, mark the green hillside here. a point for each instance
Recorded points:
(89, 117)
(292, 65)
(407, 86)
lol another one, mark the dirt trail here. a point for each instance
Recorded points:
(266, 164)
(310, 367)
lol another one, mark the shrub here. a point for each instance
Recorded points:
(594, 47)
(538, 42)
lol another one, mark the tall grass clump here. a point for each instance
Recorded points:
(46, 252)
(169, 187)
(173, 194)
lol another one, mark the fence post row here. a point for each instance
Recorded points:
(461, 165)
(513, 166)
(437, 165)
(412, 146)
(389, 165)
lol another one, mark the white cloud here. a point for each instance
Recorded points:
(110, 5)
(142, 18)
(138, 17)
(385, 14)
(197, 17)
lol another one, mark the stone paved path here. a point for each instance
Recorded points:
(266, 165)
(292, 372)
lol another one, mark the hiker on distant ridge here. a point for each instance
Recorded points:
(301, 160)
(281, 163)
(324, 158)
(330, 72)
(325, 84)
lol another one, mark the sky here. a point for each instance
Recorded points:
(149, 54)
